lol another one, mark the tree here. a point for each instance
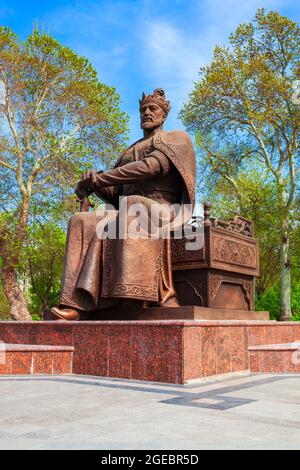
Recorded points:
(56, 120)
(4, 307)
(42, 263)
(254, 198)
(244, 110)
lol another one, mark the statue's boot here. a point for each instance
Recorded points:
(66, 313)
(172, 302)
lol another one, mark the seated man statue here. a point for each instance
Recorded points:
(100, 270)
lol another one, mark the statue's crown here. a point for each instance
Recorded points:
(158, 97)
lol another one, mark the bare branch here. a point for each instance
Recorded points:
(9, 115)
(7, 165)
(264, 150)
(292, 190)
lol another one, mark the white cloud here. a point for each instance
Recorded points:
(141, 44)
(171, 60)
(172, 55)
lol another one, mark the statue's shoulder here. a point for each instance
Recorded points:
(125, 155)
(177, 133)
(173, 139)
(130, 147)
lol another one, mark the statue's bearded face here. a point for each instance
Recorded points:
(152, 115)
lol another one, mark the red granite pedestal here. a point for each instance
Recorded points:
(171, 351)
(35, 359)
(278, 358)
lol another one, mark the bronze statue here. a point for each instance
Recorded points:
(99, 271)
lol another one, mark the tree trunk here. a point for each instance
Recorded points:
(285, 281)
(15, 297)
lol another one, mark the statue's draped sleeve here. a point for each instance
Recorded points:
(108, 184)
(178, 148)
(109, 194)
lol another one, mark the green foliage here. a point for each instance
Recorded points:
(4, 308)
(42, 264)
(246, 123)
(270, 301)
(57, 120)
(296, 301)
(249, 83)
(242, 110)
(257, 201)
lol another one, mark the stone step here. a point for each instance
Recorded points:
(166, 313)
(35, 359)
(279, 357)
(200, 313)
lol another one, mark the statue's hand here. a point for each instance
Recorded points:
(87, 184)
(88, 179)
(81, 192)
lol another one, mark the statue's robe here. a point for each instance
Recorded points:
(153, 171)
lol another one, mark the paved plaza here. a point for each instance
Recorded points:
(237, 411)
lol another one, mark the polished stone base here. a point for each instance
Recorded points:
(171, 351)
(275, 358)
(19, 359)
(135, 312)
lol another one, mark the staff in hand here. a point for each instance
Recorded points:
(85, 188)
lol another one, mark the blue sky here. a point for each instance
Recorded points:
(140, 45)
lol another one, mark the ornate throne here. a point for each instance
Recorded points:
(220, 273)
(216, 280)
